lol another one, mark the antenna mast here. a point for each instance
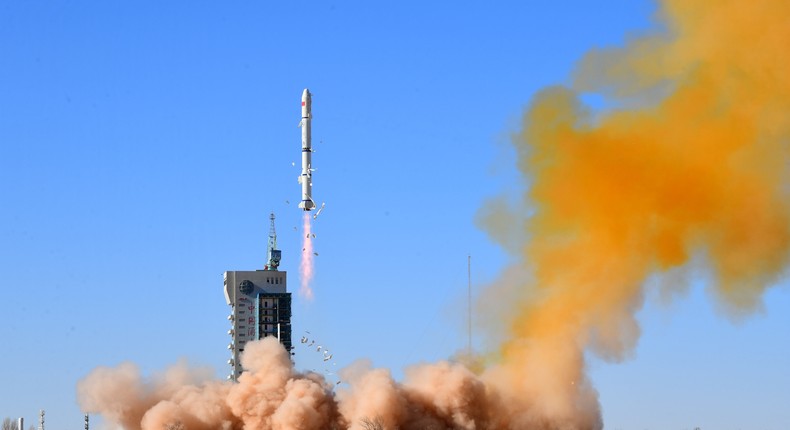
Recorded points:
(273, 254)
(469, 292)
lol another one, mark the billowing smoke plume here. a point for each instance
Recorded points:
(690, 167)
(694, 166)
(271, 395)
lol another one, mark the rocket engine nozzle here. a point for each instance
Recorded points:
(307, 205)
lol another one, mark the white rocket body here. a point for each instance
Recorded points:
(306, 178)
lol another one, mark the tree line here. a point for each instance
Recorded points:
(11, 424)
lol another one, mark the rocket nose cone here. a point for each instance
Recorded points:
(305, 94)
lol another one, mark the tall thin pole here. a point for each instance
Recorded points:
(469, 290)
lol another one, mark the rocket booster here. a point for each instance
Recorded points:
(306, 178)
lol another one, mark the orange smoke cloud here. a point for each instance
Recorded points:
(695, 168)
(124, 397)
(270, 394)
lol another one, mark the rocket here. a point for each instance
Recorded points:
(306, 178)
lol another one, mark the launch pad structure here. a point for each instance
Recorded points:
(260, 305)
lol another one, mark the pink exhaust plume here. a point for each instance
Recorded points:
(306, 266)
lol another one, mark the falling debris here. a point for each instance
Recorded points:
(318, 212)
(326, 355)
(312, 235)
(287, 202)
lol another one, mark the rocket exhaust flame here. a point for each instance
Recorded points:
(306, 265)
(614, 200)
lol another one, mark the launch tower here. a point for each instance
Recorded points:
(260, 305)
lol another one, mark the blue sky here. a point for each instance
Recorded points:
(142, 147)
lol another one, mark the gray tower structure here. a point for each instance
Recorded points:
(260, 305)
